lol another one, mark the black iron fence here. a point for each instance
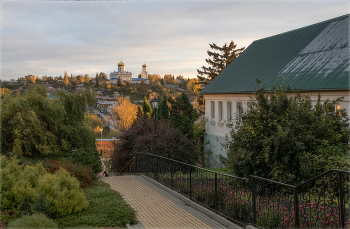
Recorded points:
(321, 202)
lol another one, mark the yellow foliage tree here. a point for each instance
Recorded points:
(124, 114)
(193, 86)
(4, 92)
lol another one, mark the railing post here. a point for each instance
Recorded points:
(172, 176)
(216, 193)
(190, 183)
(296, 207)
(254, 200)
(146, 165)
(341, 198)
(136, 163)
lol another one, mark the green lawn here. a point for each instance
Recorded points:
(107, 208)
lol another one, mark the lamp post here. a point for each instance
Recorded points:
(101, 139)
(154, 103)
(73, 153)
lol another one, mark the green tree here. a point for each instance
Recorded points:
(221, 59)
(35, 126)
(146, 108)
(119, 82)
(285, 138)
(163, 109)
(182, 114)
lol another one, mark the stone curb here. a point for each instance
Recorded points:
(194, 205)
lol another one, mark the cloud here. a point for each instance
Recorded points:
(48, 37)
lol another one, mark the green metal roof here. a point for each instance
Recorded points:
(312, 58)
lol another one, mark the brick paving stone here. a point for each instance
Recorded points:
(156, 208)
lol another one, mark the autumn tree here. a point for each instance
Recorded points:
(220, 60)
(86, 78)
(119, 82)
(193, 86)
(124, 114)
(4, 92)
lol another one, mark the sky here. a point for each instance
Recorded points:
(171, 37)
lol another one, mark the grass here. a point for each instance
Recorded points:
(107, 208)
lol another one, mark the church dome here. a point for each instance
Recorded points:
(144, 65)
(121, 63)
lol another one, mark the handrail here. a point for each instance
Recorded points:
(292, 186)
(322, 174)
(125, 165)
(198, 167)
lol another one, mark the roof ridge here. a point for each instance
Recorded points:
(332, 19)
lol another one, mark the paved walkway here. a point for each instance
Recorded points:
(155, 208)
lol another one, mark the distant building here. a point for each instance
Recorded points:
(138, 81)
(144, 74)
(124, 76)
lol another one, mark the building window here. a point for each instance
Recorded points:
(220, 110)
(212, 103)
(229, 109)
(337, 108)
(249, 106)
(238, 110)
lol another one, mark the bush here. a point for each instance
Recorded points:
(42, 206)
(34, 221)
(287, 139)
(84, 174)
(60, 189)
(63, 192)
(140, 138)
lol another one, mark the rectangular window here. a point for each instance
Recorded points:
(220, 110)
(249, 106)
(229, 114)
(337, 108)
(238, 110)
(212, 105)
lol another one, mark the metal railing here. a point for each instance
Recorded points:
(321, 202)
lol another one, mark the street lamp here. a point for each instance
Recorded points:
(101, 139)
(154, 104)
(73, 153)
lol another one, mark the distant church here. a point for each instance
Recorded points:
(125, 75)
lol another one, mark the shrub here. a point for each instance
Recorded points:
(84, 174)
(140, 138)
(34, 221)
(61, 190)
(42, 206)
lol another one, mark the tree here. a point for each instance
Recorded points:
(124, 114)
(163, 109)
(285, 138)
(119, 82)
(97, 80)
(182, 114)
(171, 143)
(146, 108)
(86, 78)
(4, 92)
(55, 83)
(193, 86)
(35, 126)
(221, 59)
(65, 82)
